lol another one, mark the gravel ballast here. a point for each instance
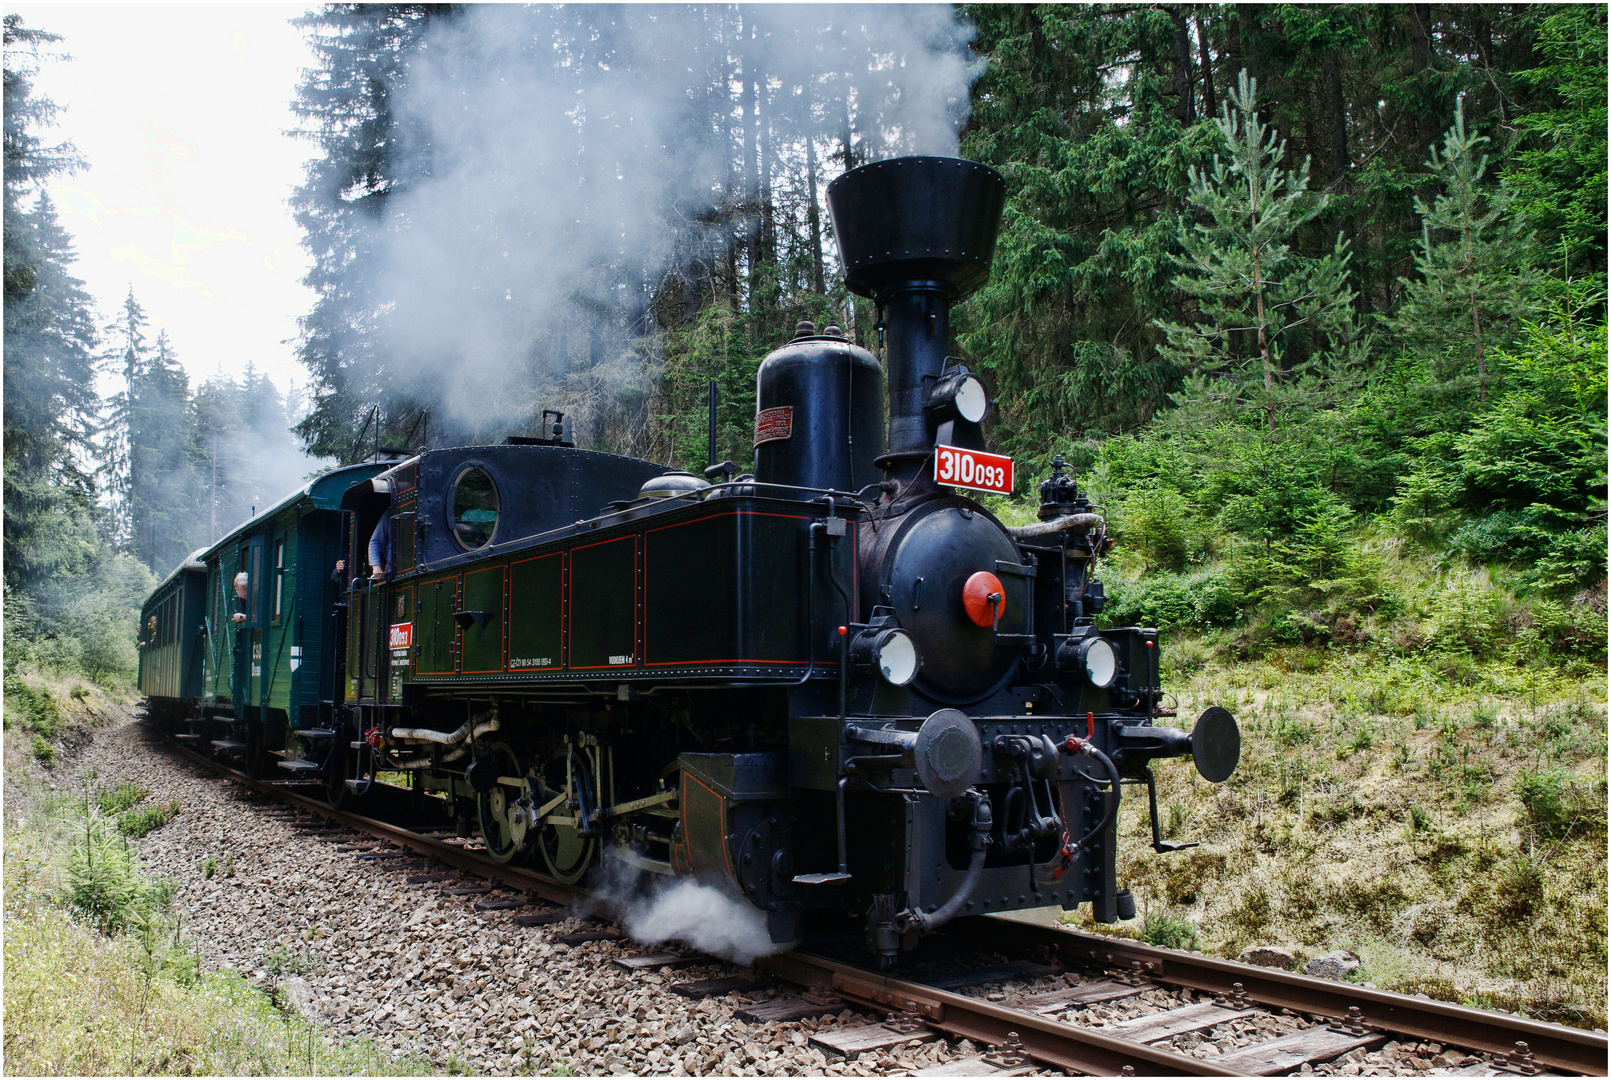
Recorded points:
(342, 938)
(362, 953)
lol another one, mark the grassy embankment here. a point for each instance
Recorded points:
(1425, 786)
(99, 976)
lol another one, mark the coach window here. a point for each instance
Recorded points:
(279, 577)
(475, 508)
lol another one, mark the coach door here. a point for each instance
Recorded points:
(246, 619)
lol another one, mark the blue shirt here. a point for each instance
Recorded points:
(380, 543)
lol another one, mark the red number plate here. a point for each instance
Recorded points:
(402, 636)
(973, 469)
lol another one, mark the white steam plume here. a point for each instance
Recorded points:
(703, 917)
(565, 151)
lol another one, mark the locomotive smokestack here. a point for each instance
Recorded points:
(916, 234)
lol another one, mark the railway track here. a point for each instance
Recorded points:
(1085, 1004)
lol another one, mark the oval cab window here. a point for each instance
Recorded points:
(475, 508)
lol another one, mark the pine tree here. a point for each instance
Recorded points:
(1094, 159)
(215, 412)
(1476, 280)
(1266, 314)
(346, 103)
(49, 394)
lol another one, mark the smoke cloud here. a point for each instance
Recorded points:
(565, 156)
(703, 917)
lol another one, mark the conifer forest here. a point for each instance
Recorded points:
(1312, 299)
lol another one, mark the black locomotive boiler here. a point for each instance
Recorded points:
(834, 686)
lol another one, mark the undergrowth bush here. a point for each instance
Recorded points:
(42, 749)
(136, 823)
(1201, 599)
(32, 708)
(103, 884)
(123, 797)
(1156, 525)
(1554, 803)
(100, 979)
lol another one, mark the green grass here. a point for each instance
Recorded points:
(81, 1003)
(32, 707)
(1168, 930)
(1422, 781)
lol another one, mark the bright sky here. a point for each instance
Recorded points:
(180, 112)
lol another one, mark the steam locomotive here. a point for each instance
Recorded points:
(835, 685)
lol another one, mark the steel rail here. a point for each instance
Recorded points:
(1060, 1045)
(1553, 1045)
(1049, 1041)
(419, 843)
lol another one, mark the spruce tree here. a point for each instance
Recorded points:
(1093, 157)
(1475, 279)
(127, 360)
(1265, 313)
(164, 488)
(50, 340)
(1558, 172)
(215, 410)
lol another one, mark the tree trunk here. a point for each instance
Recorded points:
(847, 152)
(766, 140)
(1185, 108)
(1247, 33)
(1336, 113)
(734, 191)
(1235, 59)
(1486, 97)
(813, 215)
(1206, 63)
(1476, 319)
(1427, 121)
(752, 167)
(1269, 363)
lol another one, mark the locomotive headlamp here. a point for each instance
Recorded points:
(961, 395)
(891, 651)
(1099, 662)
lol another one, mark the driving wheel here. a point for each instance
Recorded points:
(565, 851)
(504, 812)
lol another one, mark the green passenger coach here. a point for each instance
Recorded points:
(254, 641)
(170, 649)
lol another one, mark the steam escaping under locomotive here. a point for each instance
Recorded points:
(833, 687)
